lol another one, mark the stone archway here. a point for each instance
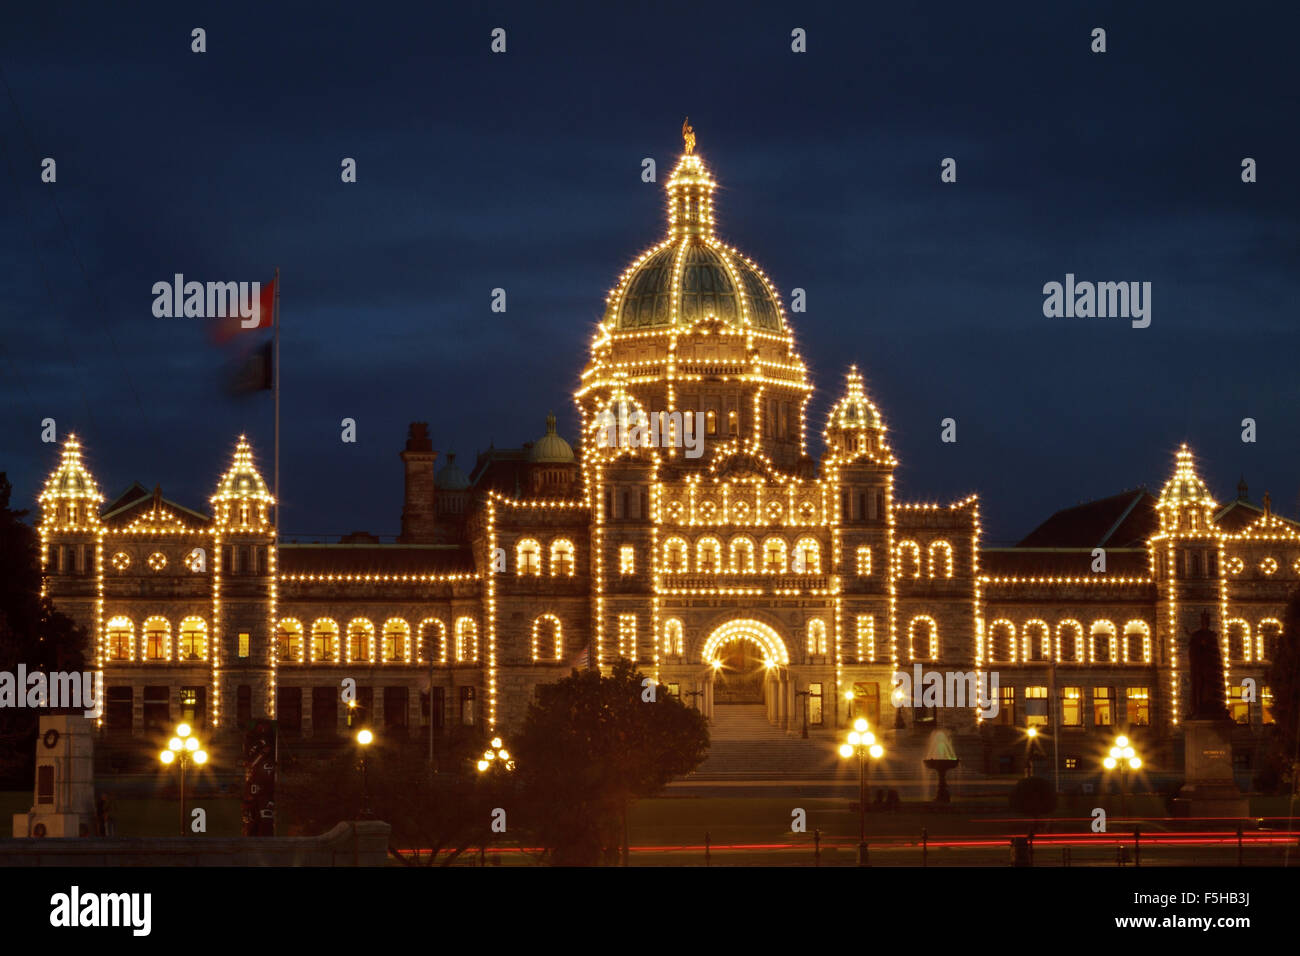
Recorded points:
(747, 661)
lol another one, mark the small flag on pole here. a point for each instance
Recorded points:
(225, 329)
(255, 372)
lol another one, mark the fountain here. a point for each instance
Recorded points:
(941, 757)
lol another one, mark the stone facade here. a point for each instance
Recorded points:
(692, 532)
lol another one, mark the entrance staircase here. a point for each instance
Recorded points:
(745, 746)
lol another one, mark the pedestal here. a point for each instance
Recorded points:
(64, 800)
(1210, 790)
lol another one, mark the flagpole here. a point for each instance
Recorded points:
(275, 376)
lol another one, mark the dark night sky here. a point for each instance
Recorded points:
(523, 171)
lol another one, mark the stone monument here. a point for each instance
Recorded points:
(1209, 789)
(64, 804)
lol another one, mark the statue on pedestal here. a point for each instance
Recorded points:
(1205, 671)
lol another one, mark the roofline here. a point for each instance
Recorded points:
(1127, 511)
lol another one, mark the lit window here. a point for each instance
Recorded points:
(396, 634)
(157, 639)
(1102, 700)
(1035, 706)
(1266, 705)
(817, 643)
(1238, 706)
(121, 639)
(675, 554)
(361, 636)
(627, 636)
(1071, 707)
(466, 639)
(674, 640)
(864, 562)
(324, 640)
(1139, 706)
(706, 554)
(866, 638)
(244, 644)
(289, 640)
(194, 639)
(774, 556)
(626, 559)
(742, 556)
(562, 558)
(528, 557)
(807, 556)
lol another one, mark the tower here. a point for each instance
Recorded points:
(418, 507)
(71, 541)
(244, 597)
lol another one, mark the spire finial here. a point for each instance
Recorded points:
(688, 135)
(1268, 503)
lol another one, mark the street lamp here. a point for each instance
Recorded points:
(496, 757)
(1031, 734)
(182, 749)
(1125, 758)
(364, 739)
(862, 741)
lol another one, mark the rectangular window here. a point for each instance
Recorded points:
(626, 559)
(467, 706)
(396, 702)
(1007, 708)
(1071, 762)
(1139, 706)
(324, 712)
(157, 708)
(243, 705)
(194, 702)
(243, 644)
(1102, 700)
(866, 638)
(627, 636)
(1266, 705)
(363, 714)
(674, 690)
(1035, 706)
(1071, 707)
(120, 712)
(1238, 707)
(288, 710)
(815, 705)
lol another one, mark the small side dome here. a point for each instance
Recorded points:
(449, 477)
(551, 448)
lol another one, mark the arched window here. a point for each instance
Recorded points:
(774, 555)
(562, 558)
(707, 555)
(361, 640)
(940, 556)
(466, 639)
(1035, 641)
(397, 634)
(674, 638)
(909, 559)
(807, 556)
(1268, 633)
(121, 639)
(864, 561)
(1137, 642)
(324, 640)
(732, 424)
(1103, 642)
(433, 642)
(528, 557)
(742, 555)
(675, 555)
(817, 643)
(157, 639)
(1002, 641)
(1239, 643)
(288, 640)
(548, 638)
(923, 639)
(711, 422)
(194, 639)
(1069, 641)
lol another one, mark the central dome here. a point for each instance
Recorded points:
(692, 275)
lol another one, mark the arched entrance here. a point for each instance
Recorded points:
(747, 660)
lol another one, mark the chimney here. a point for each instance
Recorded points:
(417, 507)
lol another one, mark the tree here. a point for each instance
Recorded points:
(1034, 796)
(448, 813)
(32, 632)
(592, 745)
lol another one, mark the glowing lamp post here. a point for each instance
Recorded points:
(364, 739)
(181, 750)
(1124, 758)
(1031, 738)
(496, 757)
(862, 741)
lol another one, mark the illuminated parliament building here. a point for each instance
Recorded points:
(752, 575)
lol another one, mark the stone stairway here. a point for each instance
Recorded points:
(744, 744)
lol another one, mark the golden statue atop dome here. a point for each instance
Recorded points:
(688, 134)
